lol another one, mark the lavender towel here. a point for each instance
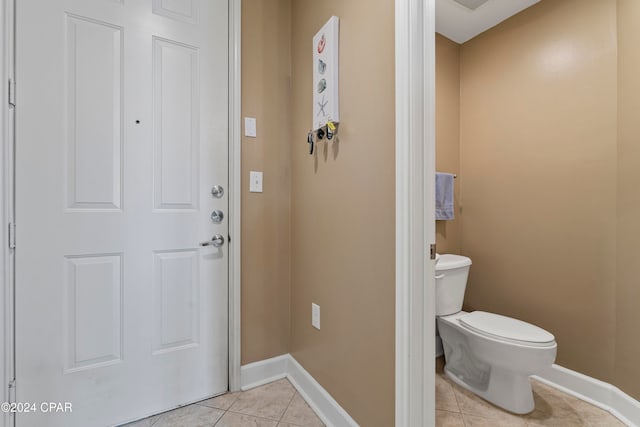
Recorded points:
(444, 196)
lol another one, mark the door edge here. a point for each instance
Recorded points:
(7, 191)
(235, 156)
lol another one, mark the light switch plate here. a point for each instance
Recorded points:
(255, 182)
(250, 128)
(315, 316)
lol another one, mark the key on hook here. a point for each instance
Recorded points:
(310, 141)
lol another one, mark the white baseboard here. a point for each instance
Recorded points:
(601, 394)
(263, 372)
(285, 366)
(329, 411)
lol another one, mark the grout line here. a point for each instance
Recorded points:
(156, 420)
(564, 399)
(455, 395)
(219, 419)
(288, 404)
(464, 421)
(447, 410)
(455, 398)
(253, 416)
(214, 407)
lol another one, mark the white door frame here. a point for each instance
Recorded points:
(6, 203)
(415, 212)
(7, 355)
(415, 149)
(235, 189)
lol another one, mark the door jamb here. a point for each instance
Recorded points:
(235, 153)
(6, 203)
(415, 212)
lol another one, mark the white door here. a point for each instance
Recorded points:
(121, 134)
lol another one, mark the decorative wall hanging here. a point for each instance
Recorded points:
(326, 105)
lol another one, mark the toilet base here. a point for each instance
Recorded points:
(506, 389)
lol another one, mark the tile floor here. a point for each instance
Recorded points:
(277, 404)
(457, 407)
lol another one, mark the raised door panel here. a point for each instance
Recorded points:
(176, 303)
(176, 134)
(179, 10)
(94, 67)
(93, 311)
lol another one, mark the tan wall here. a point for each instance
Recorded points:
(627, 350)
(343, 212)
(266, 95)
(538, 162)
(448, 135)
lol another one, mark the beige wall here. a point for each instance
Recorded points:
(627, 350)
(324, 228)
(448, 135)
(343, 212)
(266, 95)
(538, 162)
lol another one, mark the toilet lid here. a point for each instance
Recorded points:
(506, 328)
(449, 262)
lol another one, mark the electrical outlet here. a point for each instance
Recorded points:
(255, 182)
(315, 316)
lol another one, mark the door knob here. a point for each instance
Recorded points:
(217, 216)
(217, 191)
(216, 241)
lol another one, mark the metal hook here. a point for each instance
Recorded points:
(310, 141)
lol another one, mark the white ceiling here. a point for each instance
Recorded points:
(460, 24)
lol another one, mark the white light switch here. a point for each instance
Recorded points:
(250, 127)
(255, 182)
(315, 316)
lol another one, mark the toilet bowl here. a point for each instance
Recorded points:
(488, 354)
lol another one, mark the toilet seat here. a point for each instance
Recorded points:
(506, 329)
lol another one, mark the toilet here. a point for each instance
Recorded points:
(488, 354)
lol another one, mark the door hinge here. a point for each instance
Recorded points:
(432, 251)
(12, 235)
(12, 391)
(12, 93)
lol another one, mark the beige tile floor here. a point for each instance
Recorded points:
(457, 407)
(277, 404)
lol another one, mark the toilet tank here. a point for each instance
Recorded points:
(452, 272)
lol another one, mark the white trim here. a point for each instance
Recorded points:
(6, 202)
(415, 222)
(285, 366)
(235, 157)
(264, 371)
(329, 411)
(4, 279)
(598, 393)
